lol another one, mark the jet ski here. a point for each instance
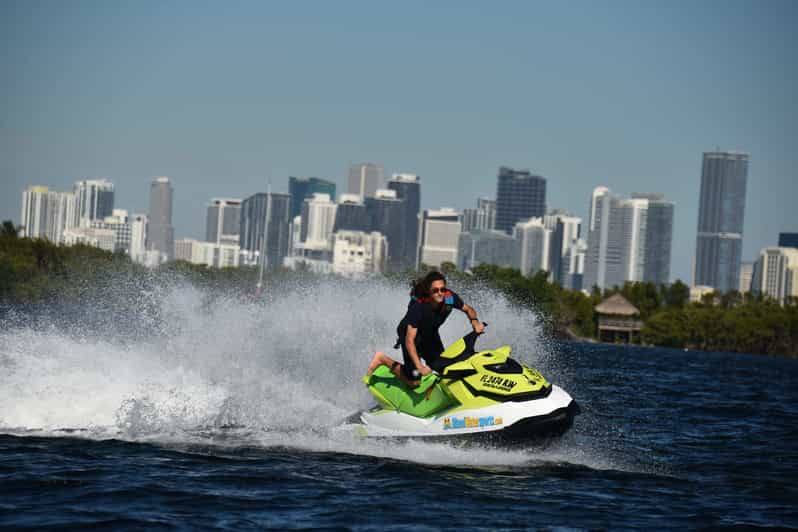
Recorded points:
(478, 395)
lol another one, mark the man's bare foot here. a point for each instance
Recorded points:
(376, 361)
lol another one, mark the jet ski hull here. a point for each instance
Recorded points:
(510, 422)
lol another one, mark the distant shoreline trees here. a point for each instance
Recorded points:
(36, 271)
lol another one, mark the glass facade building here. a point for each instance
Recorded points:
(788, 240)
(160, 233)
(659, 236)
(721, 216)
(351, 214)
(386, 216)
(302, 188)
(223, 222)
(519, 197)
(254, 227)
(408, 189)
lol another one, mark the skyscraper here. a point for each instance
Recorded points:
(302, 188)
(138, 238)
(46, 213)
(776, 273)
(386, 216)
(483, 218)
(746, 276)
(534, 245)
(659, 236)
(95, 200)
(161, 234)
(630, 239)
(318, 221)
(721, 214)
(486, 247)
(351, 214)
(573, 265)
(438, 237)
(519, 197)
(597, 240)
(223, 224)
(254, 227)
(565, 231)
(788, 240)
(119, 223)
(408, 189)
(365, 179)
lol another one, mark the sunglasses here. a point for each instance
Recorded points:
(436, 290)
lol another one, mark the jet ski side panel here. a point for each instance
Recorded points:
(552, 415)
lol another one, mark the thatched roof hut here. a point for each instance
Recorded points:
(617, 305)
(617, 319)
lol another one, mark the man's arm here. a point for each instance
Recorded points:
(479, 328)
(410, 344)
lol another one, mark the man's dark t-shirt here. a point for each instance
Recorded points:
(427, 321)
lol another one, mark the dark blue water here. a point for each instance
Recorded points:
(667, 439)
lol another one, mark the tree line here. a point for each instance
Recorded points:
(730, 322)
(34, 271)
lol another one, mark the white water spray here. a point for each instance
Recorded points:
(286, 372)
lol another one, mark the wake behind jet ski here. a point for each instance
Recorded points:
(477, 395)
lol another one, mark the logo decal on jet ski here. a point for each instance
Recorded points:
(499, 383)
(468, 422)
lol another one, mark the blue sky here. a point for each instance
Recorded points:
(222, 96)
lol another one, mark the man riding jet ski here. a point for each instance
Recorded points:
(485, 394)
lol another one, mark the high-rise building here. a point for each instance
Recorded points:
(46, 213)
(573, 265)
(438, 237)
(746, 276)
(351, 214)
(658, 239)
(161, 234)
(519, 197)
(256, 230)
(386, 216)
(365, 179)
(95, 200)
(788, 240)
(486, 247)
(138, 238)
(534, 245)
(721, 214)
(408, 189)
(598, 236)
(119, 223)
(209, 254)
(630, 239)
(565, 230)
(318, 221)
(776, 273)
(357, 253)
(223, 223)
(483, 218)
(302, 188)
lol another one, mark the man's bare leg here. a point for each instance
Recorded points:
(379, 359)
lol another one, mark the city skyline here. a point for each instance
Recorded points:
(629, 97)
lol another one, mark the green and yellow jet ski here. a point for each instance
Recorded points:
(485, 394)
